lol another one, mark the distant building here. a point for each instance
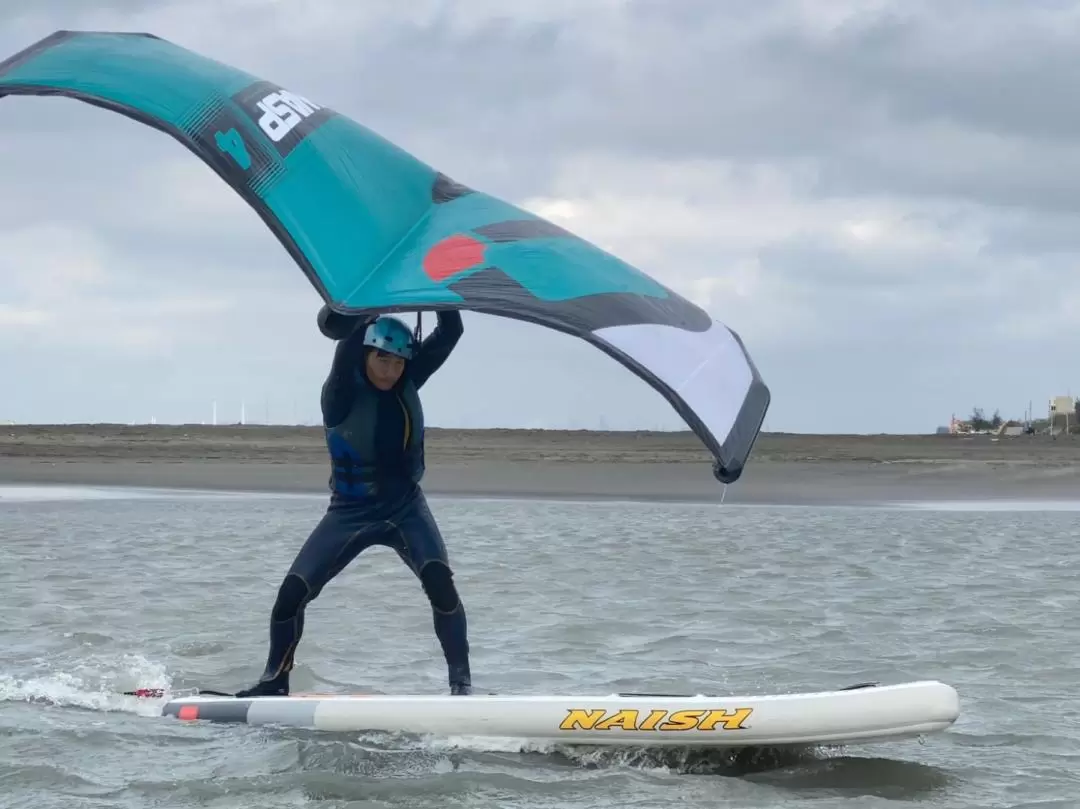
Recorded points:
(1062, 413)
(1064, 405)
(1007, 427)
(958, 427)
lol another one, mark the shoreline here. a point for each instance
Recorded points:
(784, 469)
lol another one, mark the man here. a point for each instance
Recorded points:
(374, 427)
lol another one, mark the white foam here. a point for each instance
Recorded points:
(94, 684)
(17, 493)
(25, 494)
(992, 505)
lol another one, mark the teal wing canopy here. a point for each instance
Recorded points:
(376, 230)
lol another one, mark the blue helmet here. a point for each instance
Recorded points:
(390, 335)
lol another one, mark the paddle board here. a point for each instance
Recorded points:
(856, 714)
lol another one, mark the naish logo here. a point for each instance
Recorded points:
(282, 111)
(661, 720)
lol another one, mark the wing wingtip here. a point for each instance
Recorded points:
(61, 35)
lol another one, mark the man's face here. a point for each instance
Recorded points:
(384, 370)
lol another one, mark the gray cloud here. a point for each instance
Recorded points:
(877, 195)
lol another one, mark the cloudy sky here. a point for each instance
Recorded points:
(880, 197)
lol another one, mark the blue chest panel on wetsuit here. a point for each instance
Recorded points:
(378, 448)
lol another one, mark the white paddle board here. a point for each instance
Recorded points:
(863, 713)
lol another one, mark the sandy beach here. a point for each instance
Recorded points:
(785, 468)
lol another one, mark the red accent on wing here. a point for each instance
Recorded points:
(452, 255)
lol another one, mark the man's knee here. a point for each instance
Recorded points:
(438, 582)
(292, 595)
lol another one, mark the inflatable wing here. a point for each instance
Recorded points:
(376, 230)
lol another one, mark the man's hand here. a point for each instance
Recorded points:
(337, 326)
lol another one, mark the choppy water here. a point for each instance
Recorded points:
(106, 591)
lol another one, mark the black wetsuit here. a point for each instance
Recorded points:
(376, 445)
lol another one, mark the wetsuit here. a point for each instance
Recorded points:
(376, 444)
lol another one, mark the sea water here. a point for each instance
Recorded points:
(107, 590)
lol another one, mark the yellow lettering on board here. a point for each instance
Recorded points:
(731, 720)
(652, 719)
(579, 719)
(682, 720)
(625, 719)
(630, 719)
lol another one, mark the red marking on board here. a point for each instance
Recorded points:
(188, 712)
(453, 255)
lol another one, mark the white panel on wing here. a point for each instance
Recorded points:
(708, 370)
